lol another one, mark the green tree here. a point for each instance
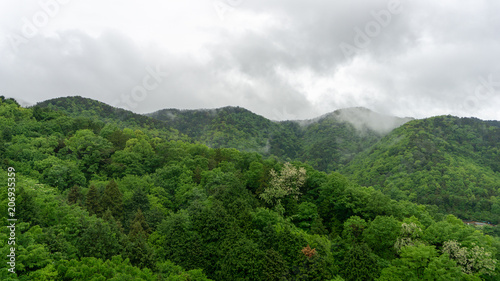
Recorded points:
(139, 225)
(62, 174)
(90, 149)
(112, 199)
(353, 229)
(422, 262)
(274, 268)
(178, 242)
(139, 251)
(93, 201)
(472, 261)
(359, 263)
(381, 234)
(74, 194)
(97, 240)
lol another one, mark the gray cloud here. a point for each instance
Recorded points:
(431, 58)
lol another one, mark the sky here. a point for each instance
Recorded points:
(281, 59)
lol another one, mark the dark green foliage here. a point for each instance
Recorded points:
(27, 210)
(241, 260)
(139, 227)
(112, 200)
(93, 202)
(74, 195)
(274, 268)
(359, 263)
(381, 235)
(98, 240)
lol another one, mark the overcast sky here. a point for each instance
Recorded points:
(281, 59)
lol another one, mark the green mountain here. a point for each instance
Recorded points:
(447, 161)
(331, 141)
(230, 127)
(85, 108)
(89, 200)
(327, 143)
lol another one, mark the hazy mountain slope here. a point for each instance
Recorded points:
(327, 143)
(333, 140)
(447, 161)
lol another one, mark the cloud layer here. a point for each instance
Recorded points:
(281, 59)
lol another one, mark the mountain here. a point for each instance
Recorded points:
(89, 200)
(332, 140)
(327, 143)
(80, 107)
(230, 127)
(447, 161)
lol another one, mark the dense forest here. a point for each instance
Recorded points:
(105, 194)
(448, 162)
(327, 143)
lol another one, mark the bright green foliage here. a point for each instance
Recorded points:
(96, 269)
(381, 234)
(170, 272)
(447, 161)
(421, 263)
(62, 174)
(92, 151)
(81, 181)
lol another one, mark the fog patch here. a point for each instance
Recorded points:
(362, 119)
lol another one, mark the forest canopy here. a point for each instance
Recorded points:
(115, 199)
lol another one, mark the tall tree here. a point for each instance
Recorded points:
(139, 251)
(112, 198)
(359, 263)
(93, 201)
(139, 225)
(74, 194)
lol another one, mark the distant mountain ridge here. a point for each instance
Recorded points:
(327, 142)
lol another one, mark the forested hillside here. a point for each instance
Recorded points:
(229, 127)
(450, 162)
(96, 200)
(88, 109)
(327, 143)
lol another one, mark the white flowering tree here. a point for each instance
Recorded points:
(471, 260)
(285, 183)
